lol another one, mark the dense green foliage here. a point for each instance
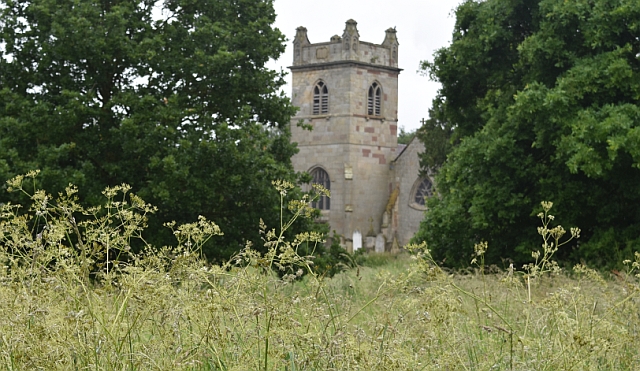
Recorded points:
(538, 102)
(171, 97)
(169, 309)
(404, 137)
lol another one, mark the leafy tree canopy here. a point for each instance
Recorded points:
(539, 101)
(171, 97)
(404, 137)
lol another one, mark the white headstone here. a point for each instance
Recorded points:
(357, 241)
(380, 243)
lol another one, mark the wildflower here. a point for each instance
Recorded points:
(480, 248)
(282, 186)
(575, 232)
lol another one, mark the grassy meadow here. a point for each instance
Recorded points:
(74, 297)
(185, 315)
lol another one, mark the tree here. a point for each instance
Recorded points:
(171, 97)
(437, 138)
(540, 101)
(404, 137)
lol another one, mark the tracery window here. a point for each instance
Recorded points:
(374, 98)
(421, 191)
(322, 178)
(320, 99)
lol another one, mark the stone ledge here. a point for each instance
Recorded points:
(341, 64)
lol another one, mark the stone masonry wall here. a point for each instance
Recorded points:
(348, 138)
(346, 47)
(406, 172)
(355, 148)
(334, 51)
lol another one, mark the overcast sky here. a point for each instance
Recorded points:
(423, 26)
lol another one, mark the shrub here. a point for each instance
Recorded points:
(74, 296)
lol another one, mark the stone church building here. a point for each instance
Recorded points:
(347, 91)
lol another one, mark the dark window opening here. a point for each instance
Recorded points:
(374, 99)
(322, 178)
(320, 99)
(423, 192)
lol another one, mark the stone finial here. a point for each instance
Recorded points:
(299, 41)
(391, 42)
(336, 39)
(351, 39)
(301, 36)
(390, 37)
(351, 28)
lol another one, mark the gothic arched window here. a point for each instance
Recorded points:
(422, 189)
(320, 99)
(374, 98)
(322, 178)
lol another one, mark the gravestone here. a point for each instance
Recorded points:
(357, 241)
(380, 243)
(370, 243)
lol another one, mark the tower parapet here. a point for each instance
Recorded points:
(346, 48)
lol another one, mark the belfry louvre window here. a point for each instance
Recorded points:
(322, 178)
(374, 97)
(320, 99)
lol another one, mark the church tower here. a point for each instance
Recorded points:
(347, 92)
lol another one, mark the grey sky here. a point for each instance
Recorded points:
(423, 26)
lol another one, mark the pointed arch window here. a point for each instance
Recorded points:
(320, 99)
(321, 177)
(422, 189)
(374, 98)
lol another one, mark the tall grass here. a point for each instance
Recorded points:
(74, 296)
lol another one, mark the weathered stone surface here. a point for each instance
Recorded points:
(348, 47)
(356, 149)
(380, 243)
(406, 174)
(370, 243)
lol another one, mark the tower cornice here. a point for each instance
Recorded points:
(342, 64)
